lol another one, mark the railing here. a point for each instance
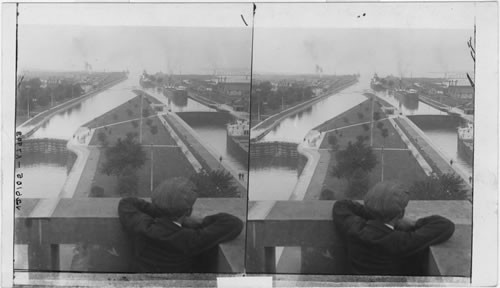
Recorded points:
(308, 224)
(95, 222)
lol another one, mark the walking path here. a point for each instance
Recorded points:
(79, 145)
(414, 150)
(309, 149)
(126, 121)
(207, 153)
(185, 150)
(433, 153)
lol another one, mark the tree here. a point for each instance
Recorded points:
(380, 125)
(96, 191)
(361, 115)
(358, 184)
(327, 194)
(125, 153)
(127, 182)
(438, 187)
(134, 124)
(130, 112)
(366, 127)
(353, 157)
(376, 115)
(215, 183)
(154, 129)
(149, 121)
(145, 113)
(103, 138)
(333, 141)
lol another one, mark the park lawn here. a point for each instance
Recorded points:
(351, 117)
(399, 165)
(393, 170)
(168, 162)
(127, 111)
(162, 136)
(349, 134)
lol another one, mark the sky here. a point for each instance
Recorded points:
(419, 39)
(408, 39)
(190, 38)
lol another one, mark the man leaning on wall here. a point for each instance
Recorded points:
(166, 238)
(380, 240)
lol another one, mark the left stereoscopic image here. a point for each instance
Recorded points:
(132, 137)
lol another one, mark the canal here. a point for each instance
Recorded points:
(55, 166)
(214, 134)
(271, 180)
(442, 137)
(64, 124)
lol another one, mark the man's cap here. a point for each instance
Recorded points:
(174, 196)
(386, 200)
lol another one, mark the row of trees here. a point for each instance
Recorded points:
(264, 98)
(31, 92)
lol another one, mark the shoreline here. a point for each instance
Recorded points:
(291, 111)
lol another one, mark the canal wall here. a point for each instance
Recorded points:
(274, 149)
(281, 152)
(431, 156)
(271, 122)
(205, 118)
(466, 150)
(43, 117)
(438, 163)
(47, 150)
(435, 104)
(238, 147)
(208, 160)
(427, 122)
(44, 145)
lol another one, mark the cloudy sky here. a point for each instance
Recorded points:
(190, 38)
(388, 38)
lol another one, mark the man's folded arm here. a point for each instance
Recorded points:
(428, 231)
(136, 215)
(347, 213)
(214, 230)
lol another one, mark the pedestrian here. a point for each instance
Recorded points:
(220, 158)
(166, 238)
(380, 240)
(451, 162)
(470, 179)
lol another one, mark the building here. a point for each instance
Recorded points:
(234, 85)
(460, 89)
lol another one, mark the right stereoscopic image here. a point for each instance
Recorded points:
(361, 139)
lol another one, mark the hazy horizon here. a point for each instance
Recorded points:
(189, 50)
(400, 52)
